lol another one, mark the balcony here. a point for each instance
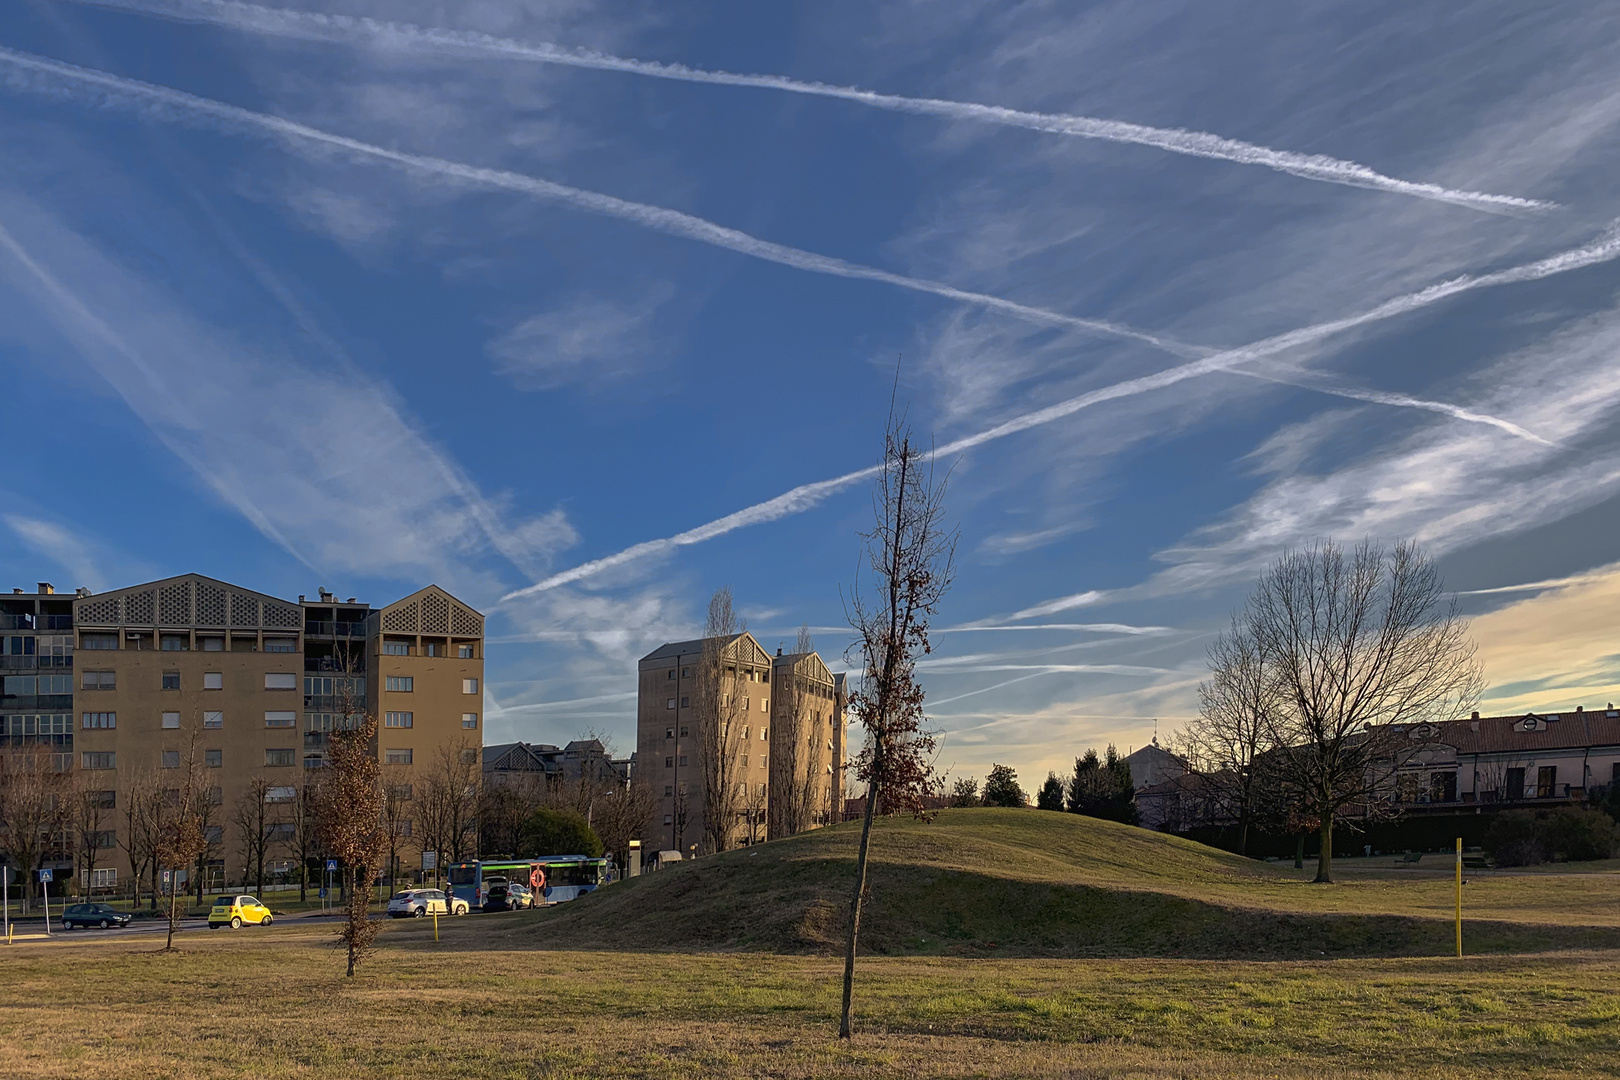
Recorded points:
(19, 663)
(56, 622)
(325, 628)
(327, 665)
(16, 622)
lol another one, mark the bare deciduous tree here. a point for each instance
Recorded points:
(179, 838)
(140, 800)
(92, 812)
(305, 821)
(252, 814)
(912, 552)
(1237, 717)
(399, 798)
(35, 811)
(719, 721)
(449, 802)
(350, 813)
(1359, 640)
(799, 754)
(624, 814)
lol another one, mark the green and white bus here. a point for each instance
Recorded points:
(553, 878)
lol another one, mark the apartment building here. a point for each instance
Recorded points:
(250, 687)
(36, 691)
(787, 740)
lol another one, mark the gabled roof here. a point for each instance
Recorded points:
(187, 600)
(809, 665)
(674, 650)
(1525, 732)
(430, 610)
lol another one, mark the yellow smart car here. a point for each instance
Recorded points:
(233, 911)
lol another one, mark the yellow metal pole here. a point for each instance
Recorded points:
(436, 929)
(1459, 896)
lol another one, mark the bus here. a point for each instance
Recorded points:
(554, 878)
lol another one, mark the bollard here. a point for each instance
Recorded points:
(1459, 896)
(435, 926)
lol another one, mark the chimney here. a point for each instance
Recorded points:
(1475, 716)
(779, 650)
(46, 588)
(350, 600)
(82, 591)
(1580, 708)
(16, 592)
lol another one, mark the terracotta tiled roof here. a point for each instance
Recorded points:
(1512, 734)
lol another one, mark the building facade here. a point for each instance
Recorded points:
(241, 690)
(807, 746)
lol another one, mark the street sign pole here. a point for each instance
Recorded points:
(5, 896)
(45, 893)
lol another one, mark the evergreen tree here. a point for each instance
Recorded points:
(1051, 794)
(1102, 787)
(1001, 787)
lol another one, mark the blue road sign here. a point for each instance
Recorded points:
(45, 875)
(323, 894)
(331, 865)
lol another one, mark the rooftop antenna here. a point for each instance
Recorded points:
(1155, 731)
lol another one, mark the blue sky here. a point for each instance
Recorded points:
(481, 295)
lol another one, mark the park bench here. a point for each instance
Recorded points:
(1409, 859)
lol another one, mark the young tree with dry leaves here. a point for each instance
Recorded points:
(179, 839)
(720, 721)
(35, 811)
(350, 812)
(912, 552)
(1359, 640)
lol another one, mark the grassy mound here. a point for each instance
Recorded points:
(1023, 883)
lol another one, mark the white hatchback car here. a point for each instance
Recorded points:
(415, 903)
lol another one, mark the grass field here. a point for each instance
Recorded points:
(1069, 948)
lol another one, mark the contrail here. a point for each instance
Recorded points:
(1096, 628)
(661, 219)
(805, 496)
(348, 30)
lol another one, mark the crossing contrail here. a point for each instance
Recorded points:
(165, 100)
(350, 30)
(1605, 249)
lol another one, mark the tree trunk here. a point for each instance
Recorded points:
(1243, 834)
(845, 1029)
(1299, 852)
(1324, 860)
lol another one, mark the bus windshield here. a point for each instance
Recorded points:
(464, 874)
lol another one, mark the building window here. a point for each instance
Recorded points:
(214, 796)
(100, 680)
(400, 684)
(280, 794)
(469, 720)
(671, 674)
(432, 648)
(213, 680)
(683, 761)
(685, 732)
(668, 820)
(212, 643)
(398, 719)
(100, 720)
(171, 680)
(214, 834)
(685, 703)
(171, 759)
(745, 761)
(763, 735)
(469, 686)
(95, 641)
(214, 758)
(280, 644)
(669, 763)
(99, 759)
(214, 720)
(464, 652)
(104, 877)
(397, 757)
(280, 680)
(400, 792)
(764, 704)
(396, 648)
(175, 643)
(670, 704)
(280, 832)
(280, 757)
(669, 733)
(669, 791)
(104, 800)
(281, 719)
(171, 720)
(469, 756)
(1546, 781)
(314, 761)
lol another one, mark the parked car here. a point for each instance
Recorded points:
(508, 896)
(234, 911)
(415, 903)
(520, 895)
(103, 915)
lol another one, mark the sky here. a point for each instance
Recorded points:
(582, 311)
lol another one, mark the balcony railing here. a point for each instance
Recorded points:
(16, 622)
(326, 628)
(56, 622)
(19, 663)
(1532, 793)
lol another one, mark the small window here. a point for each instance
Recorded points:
(171, 680)
(469, 756)
(96, 641)
(668, 820)
(669, 733)
(764, 704)
(469, 686)
(175, 643)
(99, 759)
(764, 736)
(685, 732)
(397, 756)
(280, 644)
(280, 757)
(104, 800)
(669, 791)
(213, 680)
(171, 759)
(396, 648)
(683, 761)
(94, 720)
(469, 720)
(464, 652)
(171, 720)
(100, 680)
(671, 673)
(670, 704)
(432, 648)
(214, 758)
(669, 763)
(399, 719)
(281, 719)
(214, 719)
(212, 644)
(280, 680)
(280, 794)
(400, 684)
(686, 703)
(400, 792)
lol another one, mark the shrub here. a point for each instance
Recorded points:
(1527, 837)
(559, 832)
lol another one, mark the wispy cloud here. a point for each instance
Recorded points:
(1534, 586)
(312, 26)
(806, 496)
(60, 545)
(579, 340)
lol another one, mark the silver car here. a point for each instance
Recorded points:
(415, 903)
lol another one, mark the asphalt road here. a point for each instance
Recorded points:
(33, 929)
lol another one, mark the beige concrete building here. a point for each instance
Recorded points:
(802, 740)
(250, 686)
